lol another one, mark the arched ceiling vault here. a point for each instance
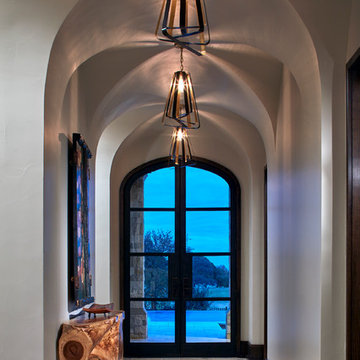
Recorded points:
(237, 132)
(240, 72)
(212, 141)
(146, 84)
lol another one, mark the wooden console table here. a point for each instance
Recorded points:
(100, 338)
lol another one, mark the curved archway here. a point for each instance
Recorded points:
(217, 143)
(97, 35)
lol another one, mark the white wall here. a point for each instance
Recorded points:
(353, 43)
(58, 137)
(336, 36)
(27, 30)
(294, 233)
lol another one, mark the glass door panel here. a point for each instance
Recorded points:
(205, 189)
(152, 231)
(152, 316)
(149, 277)
(154, 190)
(208, 231)
(152, 321)
(211, 276)
(208, 321)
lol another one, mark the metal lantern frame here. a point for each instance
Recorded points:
(180, 152)
(184, 33)
(181, 108)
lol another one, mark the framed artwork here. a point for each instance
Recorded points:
(80, 279)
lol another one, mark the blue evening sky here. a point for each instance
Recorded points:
(207, 231)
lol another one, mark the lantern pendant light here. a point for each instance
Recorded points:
(184, 22)
(180, 152)
(181, 108)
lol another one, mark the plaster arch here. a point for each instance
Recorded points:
(128, 111)
(100, 31)
(214, 141)
(110, 140)
(87, 32)
(226, 88)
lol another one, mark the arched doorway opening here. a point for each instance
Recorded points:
(181, 245)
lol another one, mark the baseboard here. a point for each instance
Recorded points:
(256, 352)
(253, 352)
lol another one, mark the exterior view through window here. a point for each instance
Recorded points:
(180, 263)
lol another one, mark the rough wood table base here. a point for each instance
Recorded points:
(92, 339)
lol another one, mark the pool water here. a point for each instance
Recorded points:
(201, 326)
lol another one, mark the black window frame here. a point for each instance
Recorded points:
(234, 348)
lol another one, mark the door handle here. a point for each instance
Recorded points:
(175, 287)
(187, 288)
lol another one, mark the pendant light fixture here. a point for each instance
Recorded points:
(184, 22)
(181, 108)
(180, 152)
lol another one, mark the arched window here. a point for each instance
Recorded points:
(181, 261)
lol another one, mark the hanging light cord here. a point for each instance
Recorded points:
(181, 59)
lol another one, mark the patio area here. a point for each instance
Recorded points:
(201, 326)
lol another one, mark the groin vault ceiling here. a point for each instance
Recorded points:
(120, 66)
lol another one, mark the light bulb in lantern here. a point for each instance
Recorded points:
(180, 152)
(181, 84)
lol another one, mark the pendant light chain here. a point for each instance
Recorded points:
(181, 59)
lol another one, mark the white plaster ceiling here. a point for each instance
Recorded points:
(121, 65)
(246, 82)
(110, 90)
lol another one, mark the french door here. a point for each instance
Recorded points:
(353, 207)
(181, 262)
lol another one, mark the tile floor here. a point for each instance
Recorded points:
(185, 358)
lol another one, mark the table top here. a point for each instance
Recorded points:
(84, 319)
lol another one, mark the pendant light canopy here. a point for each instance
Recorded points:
(181, 108)
(180, 152)
(184, 22)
